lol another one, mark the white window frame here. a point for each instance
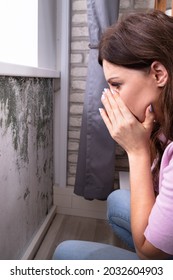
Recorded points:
(45, 61)
(61, 102)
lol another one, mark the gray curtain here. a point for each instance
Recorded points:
(96, 157)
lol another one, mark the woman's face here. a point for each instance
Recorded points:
(137, 88)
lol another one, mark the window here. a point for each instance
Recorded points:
(18, 33)
(29, 37)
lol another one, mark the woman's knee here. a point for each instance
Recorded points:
(118, 206)
(118, 201)
(62, 250)
(73, 250)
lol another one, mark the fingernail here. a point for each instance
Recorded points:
(151, 108)
(100, 110)
(105, 90)
(103, 95)
(113, 92)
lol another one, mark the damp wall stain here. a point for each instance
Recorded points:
(26, 102)
(26, 157)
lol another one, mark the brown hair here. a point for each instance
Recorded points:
(135, 42)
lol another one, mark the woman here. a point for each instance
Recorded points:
(137, 59)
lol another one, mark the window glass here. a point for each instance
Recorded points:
(19, 32)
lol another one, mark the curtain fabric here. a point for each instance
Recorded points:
(96, 156)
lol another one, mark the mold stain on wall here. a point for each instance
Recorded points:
(23, 108)
(26, 155)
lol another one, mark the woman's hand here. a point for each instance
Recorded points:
(123, 126)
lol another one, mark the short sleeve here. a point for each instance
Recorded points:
(159, 231)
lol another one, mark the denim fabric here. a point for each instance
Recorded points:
(118, 213)
(85, 250)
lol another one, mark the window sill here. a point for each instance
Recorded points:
(7, 69)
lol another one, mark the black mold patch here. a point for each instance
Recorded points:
(26, 103)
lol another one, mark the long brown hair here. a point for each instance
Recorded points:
(135, 42)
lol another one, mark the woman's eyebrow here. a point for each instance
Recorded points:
(112, 79)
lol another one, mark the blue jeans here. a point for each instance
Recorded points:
(118, 213)
(119, 218)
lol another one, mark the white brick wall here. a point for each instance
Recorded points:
(79, 59)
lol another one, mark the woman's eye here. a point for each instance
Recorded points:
(116, 85)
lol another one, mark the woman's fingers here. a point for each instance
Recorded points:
(125, 112)
(115, 107)
(149, 120)
(111, 115)
(111, 106)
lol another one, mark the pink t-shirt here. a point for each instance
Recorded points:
(159, 231)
